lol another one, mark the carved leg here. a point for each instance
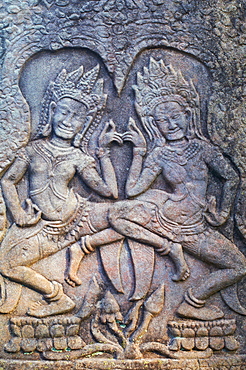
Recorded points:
(139, 233)
(28, 277)
(193, 308)
(215, 249)
(97, 234)
(129, 218)
(162, 246)
(57, 303)
(75, 257)
(87, 245)
(16, 262)
(177, 256)
(103, 237)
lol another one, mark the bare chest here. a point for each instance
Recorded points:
(57, 168)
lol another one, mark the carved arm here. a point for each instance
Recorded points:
(107, 185)
(8, 182)
(228, 175)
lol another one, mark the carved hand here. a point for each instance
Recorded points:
(30, 216)
(108, 135)
(212, 215)
(134, 135)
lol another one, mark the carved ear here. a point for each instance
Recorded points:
(190, 132)
(77, 140)
(188, 114)
(155, 134)
(48, 127)
(52, 108)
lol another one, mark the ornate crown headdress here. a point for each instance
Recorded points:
(160, 83)
(83, 87)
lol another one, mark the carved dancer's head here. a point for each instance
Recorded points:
(72, 106)
(166, 103)
(67, 117)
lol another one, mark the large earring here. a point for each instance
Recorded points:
(77, 140)
(159, 140)
(190, 128)
(48, 127)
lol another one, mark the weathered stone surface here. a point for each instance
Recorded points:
(123, 183)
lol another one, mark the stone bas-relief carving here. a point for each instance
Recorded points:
(64, 214)
(169, 222)
(121, 216)
(168, 107)
(55, 216)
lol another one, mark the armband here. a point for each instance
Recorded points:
(139, 151)
(21, 154)
(102, 152)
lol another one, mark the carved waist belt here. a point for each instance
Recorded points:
(178, 231)
(71, 229)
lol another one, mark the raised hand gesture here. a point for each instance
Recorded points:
(134, 135)
(212, 215)
(108, 135)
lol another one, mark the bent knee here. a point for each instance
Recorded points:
(5, 270)
(118, 211)
(7, 264)
(241, 270)
(132, 210)
(239, 267)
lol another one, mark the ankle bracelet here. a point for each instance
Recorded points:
(192, 300)
(56, 294)
(85, 245)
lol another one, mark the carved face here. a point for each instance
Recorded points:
(172, 120)
(67, 117)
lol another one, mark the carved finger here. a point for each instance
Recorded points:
(128, 136)
(107, 127)
(133, 126)
(131, 123)
(212, 203)
(35, 218)
(110, 126)
(29, 204)
(117, 135)
(35, 207)
(117, 138)
(126, 133)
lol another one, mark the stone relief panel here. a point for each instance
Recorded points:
(113, 215)
(122, 184)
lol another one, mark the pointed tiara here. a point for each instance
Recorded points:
(160, 83)
(85, 87)
(79, 86)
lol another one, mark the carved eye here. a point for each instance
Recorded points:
(162, 120)
(176, 116)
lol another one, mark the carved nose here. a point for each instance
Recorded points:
(68, 119)
(171, 124)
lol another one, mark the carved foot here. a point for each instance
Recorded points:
(73, 279)
(76, 256)
(182, 274)
(62, 305)
(182, 269)
(201, 313)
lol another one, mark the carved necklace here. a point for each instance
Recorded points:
(52, 163)
(180, 155)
